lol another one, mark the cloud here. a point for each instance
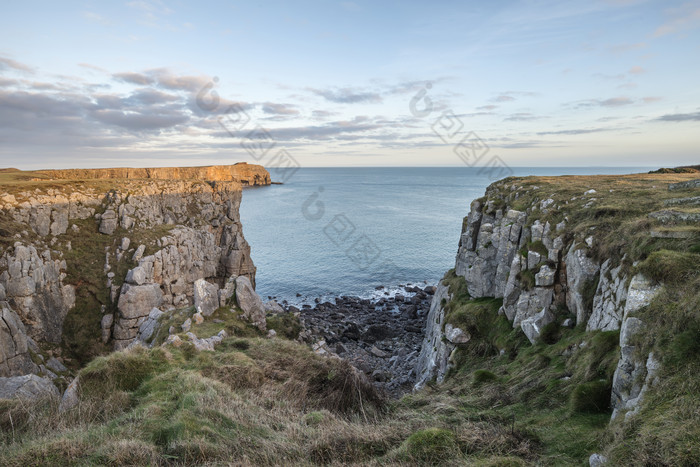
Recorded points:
(691, 117)
(510, 96)
(152, 96)
(172, 81)
(649, 100)
(6, 82)
(682, 18)
(347, 95)
(489, 107)
(503, 98)
(279, 109)
(579, 131)
(134, 78)
(611, 102)
(139, 121)
(322, 114)
(521, 117)
(616, 102)
(6, 63)
(637, 70)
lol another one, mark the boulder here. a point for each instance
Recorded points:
(136, 301)
(580, 271)
(150, 325)
(206, 297)
(532, 326)
(273, 307)
(456, 335)
(250, 303)
(136, 276)
(71, 397)
(29, 387)
(545, 277)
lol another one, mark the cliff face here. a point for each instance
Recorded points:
(558, 254)
(245, 174)
(83, 264)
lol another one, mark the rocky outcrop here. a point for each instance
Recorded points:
(543, 272)
(34, 286)
(434, 358)
(246, 174)
(14, 351)
(633, 376)
(170, 226)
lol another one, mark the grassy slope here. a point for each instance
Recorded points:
(257, 401)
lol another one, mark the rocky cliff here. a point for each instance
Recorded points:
(245, 174)
(565, 253)
(83, 263)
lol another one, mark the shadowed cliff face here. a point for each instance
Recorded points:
(67, 251)
(245, 174)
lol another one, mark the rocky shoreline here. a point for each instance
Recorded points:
(381, 337)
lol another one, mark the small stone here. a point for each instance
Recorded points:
(187, 325)
(198, 318)
(271, 334)
(174, 340)
(378, 353)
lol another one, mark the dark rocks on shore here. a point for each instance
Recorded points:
(381, 337)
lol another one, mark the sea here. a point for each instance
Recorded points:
(365, 232)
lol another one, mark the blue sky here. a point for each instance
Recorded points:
(546, 83)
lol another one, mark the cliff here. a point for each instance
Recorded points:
(83, 263)
(244, 173)
(570, 259)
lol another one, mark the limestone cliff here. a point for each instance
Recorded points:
(84, 262)
(245, 174)
(554, 252)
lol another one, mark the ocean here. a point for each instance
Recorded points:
(328, 232)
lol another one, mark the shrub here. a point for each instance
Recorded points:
(591, 397)
(431, 446)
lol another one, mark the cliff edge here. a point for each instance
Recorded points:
(86, 256)
(597, 274)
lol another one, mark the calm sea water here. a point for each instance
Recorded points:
(344, 231)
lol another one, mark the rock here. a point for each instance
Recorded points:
(150, 325)
(138, 254)
(545, 277)
(208, 343)
(670, 216)
(136, 276)
(590, 192)
(250, 303)
(609, 300)
(568, 323)
(106, 325)
(273, 307)
(455, 335)
(580, 272)
(532, 327)
(430, 290)
(597, 460)
(641, 292)
(173, 340)
(206, 297)
(14, 350)
(109, 222)
(271, 334)
(30, 387)
(197, 318)
(125, 243)
(694, 200)
(55, 365)
(378, 353)
(71, 397)
(187, 325)
(136, 301)
(227, 292)
(690, 184)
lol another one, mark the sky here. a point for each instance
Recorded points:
(349, 83)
